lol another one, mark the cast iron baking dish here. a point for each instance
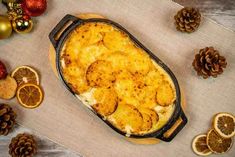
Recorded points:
(58, 37)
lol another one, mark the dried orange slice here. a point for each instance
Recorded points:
(218, 144)
(199, 145)
(29, 95)
(224, 124)
(25, 74)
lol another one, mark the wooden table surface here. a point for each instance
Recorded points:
(223, 12)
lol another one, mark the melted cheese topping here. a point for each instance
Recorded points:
(138, 78)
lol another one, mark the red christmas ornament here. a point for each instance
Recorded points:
(3, 71)
(34, 7)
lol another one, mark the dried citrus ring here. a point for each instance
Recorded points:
(224, 124)
(25, 74)
(199, 145)
(29, 95)
(218, 144)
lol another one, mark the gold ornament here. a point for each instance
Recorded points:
(12, 15)
(5, 27)
(21, 25)
(14, 10)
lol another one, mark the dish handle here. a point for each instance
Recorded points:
(175, 128)
(61, 27)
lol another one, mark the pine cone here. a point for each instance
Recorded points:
(187, 19)
(208, 62)
(23, 145)
(7, 119)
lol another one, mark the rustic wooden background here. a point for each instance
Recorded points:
(221, 11)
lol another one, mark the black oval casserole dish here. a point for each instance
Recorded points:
(62, 31)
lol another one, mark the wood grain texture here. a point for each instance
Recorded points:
(46, 148)
(222, 12)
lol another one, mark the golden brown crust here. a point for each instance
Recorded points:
(165, 94)
(106, 99)
(115, 40)
(147, 122)
(140, 62)
(75, 77)
(153, 114)
(100, 74)
(127, 116)
(154, 78)
(118, 60)
(108, 59)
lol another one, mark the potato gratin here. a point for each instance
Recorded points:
(117, 79)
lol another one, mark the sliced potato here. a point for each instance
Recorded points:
(126, 92)
(145, 94)
(125, 88)
(115, 40)
(96, 36)
(165, 94)
(127, 118)
(147, 122)
(118, 60)
(90, 54)
(100, 74)
(77, 40)
(83, 35)
(139, 61)
(75, 77)
(106, 101)
(154, 116)
(8, 88)
(101, 27)
(123, 75)
(72, 48)
(146, 97)
(92, 33)
(133, 90)
(154, 78)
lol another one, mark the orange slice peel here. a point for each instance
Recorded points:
(25, 74)
(199, 145)
(29, 95)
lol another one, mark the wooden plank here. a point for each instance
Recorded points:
(223, 12)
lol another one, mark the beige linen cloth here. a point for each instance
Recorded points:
(63, 118)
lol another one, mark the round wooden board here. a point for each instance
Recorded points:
(52, 59)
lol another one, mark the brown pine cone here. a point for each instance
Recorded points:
(208, 62)
(7, 119)
(23, 145)
(187, 19)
